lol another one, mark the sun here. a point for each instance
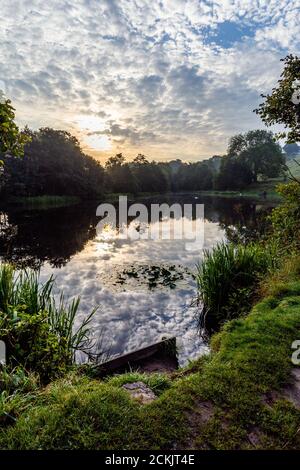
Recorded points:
(89, 126)
(98, 142)
(89, 123)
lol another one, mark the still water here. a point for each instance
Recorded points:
(144, 289)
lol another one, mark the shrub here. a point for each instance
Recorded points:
(286, 217)
(227, 280)
(39, 334)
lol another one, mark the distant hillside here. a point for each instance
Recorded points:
(291, 151)
(294, 167)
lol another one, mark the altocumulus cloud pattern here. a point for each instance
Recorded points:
(171, 78)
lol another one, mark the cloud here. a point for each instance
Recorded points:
(133, 316)
(128, 134)
(169, 78)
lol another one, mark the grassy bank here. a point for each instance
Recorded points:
(254, 192)
(243, 395)
(45, 202)
(234, 398)
(294, 166)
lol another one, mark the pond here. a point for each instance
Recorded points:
(144, 288)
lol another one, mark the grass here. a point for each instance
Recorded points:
(294, 167)
(46, 201)
(17, 391)
(114, 197)
(157, 382)
(30, 318)
(250, 358)
(227, 279)
(254, 192)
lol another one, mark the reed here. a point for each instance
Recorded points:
(23, 296)
(227, 279)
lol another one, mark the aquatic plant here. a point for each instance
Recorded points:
(153, 276)
(39, 333)
(227, 279)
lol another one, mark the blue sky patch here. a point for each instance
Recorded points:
(228, 33)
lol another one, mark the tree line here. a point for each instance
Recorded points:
(53, 163)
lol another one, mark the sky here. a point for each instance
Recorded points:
(166, 78)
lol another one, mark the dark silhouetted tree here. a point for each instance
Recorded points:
(53, 164)
(233, 175)
(119, 175)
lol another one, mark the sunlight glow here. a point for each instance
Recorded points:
(98, 142)
(90, 123)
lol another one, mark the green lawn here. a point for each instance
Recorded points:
(46, 201)
(255, 190)
(294, 167)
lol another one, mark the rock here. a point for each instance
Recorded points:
(254, 436)
(139, 391)
(292, 391)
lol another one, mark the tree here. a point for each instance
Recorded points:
(53, 164)
(286, 217)
(282, 106)
(149, 176)
(195, 176)
(119, 177)
(140, 159)
(116, 161)
(12, 141)
(234, 174)
(259, 152)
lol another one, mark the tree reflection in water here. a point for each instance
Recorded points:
(29, 238)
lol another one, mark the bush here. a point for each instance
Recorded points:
(286, 217)
(39, 335)
(30, 342)
(227, 280)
